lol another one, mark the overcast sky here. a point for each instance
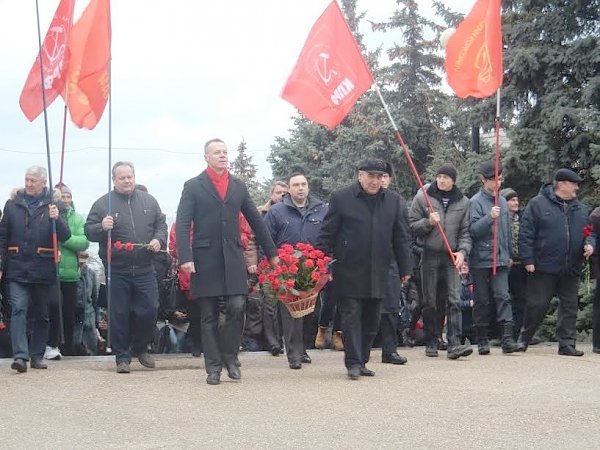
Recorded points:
(183, 71)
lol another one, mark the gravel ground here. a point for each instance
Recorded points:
(533, 400)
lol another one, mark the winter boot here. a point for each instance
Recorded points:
(508, 343)
(337, 341)
(320, 339)
(483, 345)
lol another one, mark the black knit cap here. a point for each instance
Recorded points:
(508, 193)
(487, 169)
(447, 169)
(567, 175)
(373, 165)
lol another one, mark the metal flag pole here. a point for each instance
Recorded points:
(496, 185)
(415, 173)
(109, 238)
(49, 163)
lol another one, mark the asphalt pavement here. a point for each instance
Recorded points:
(533, 400)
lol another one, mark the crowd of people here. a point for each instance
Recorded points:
(403, 272)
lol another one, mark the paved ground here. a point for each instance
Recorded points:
(532, 400)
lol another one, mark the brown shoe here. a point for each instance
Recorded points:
(337, 341)
(320, 339)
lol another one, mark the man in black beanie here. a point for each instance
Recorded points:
(451, 210)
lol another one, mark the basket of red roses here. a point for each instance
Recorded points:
(298, 278)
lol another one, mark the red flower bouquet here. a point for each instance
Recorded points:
(297, 279)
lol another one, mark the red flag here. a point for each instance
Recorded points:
(55, 60)
(330, 73)
(474, 52)
(88, 77)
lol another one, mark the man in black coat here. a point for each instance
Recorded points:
(138, 231)
(212, 201)
(27, 263)
(365, 226)
(552, 247)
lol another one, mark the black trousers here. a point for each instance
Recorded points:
(292, 334)
(517, 287)
(360, 323)
(68, 297)
(541, 287)
(271, 322)
(389, 333)
(194, 332)
(222, 326)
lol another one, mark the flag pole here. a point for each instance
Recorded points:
(415, 173)
(109, 238)
(496, 186)
(49, 163)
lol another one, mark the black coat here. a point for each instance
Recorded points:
(363, 242)
(216, 249)
(137, 219)
(26, 250)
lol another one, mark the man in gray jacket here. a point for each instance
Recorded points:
(487, 286)
(451, 211)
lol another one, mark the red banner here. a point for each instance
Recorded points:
(54, 63)
(474, 52)
(88, 77)
(330, 74)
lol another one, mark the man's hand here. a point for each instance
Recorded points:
(0, 274)
(188, 267)
(405, 278)
(588, 250)
(495, 212)
(530, 268)
(252, 269)
(459, 259)
(154, 245)
(53, 211)
(274, 260)
(434, 218)
(107, 223)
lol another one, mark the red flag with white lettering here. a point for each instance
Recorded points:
(331, 73)
(474, 52)
(88, 78)
(54, 62)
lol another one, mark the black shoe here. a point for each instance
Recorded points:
(197, 353)
(305, 359)
(237, 362)
(431, 351)
(234, 372)
(38, 364)
(354, 373)
(296, 365)
(483, 347)
(20, 365)
(393, 358)
(535, 340)
(569, 350)
(146, 360)
(123, 367)
(275, 350)
(213, 378)
(366, 372)
(457, 351)
(442, 344)
(596, 349)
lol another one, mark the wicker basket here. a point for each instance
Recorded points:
(300, 307)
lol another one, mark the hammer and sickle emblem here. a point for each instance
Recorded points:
(324, 72)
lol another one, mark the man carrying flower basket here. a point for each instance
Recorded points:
(366, 226)
(296, 220)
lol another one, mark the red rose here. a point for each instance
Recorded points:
(2, 325)
(315, 276)
(118, 245)
(262, 278)
(309, 264)
(289, 284)
(587, 231)
(293, 269)
(128, 247)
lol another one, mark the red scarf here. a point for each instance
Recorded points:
(221, 182)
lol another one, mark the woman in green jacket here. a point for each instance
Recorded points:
(69, 276)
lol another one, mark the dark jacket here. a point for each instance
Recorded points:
(482, 232)
(216, 249)
(137, 219)
(26, 249)
(454, 221)
(552, 233)
(289, 225)
(363, 241)
(595, 259)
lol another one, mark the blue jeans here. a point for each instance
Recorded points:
(30, 297)
(133, 309)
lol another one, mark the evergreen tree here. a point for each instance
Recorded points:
(243, 168)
